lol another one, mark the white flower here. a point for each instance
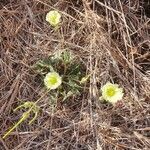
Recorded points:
(52, 80)
(111, 92)
(53, 17)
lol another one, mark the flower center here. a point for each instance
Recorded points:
(53, 80)
(111, 92)
(54, 18)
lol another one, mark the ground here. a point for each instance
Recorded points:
(112, 39)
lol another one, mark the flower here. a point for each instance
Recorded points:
(52, 80)
(53, 17)
(111, 92)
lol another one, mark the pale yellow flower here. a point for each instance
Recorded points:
(111, 92)
(53, 17)
(52, 80)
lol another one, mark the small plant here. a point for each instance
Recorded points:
(62, 69)
(53, 18)
(63, 76)
(111, 92)
(32, 109)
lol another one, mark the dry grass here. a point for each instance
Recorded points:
(113, 40)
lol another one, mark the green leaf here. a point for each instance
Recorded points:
(70, 93)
